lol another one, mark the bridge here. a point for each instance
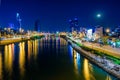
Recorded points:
(34, 35)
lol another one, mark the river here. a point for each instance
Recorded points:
(47, 59)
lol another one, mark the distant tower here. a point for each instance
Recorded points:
(76, 26)
(18, 19)
(10, 25)
(71, 23)
(37, 26)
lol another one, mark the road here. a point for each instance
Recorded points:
(105, 48)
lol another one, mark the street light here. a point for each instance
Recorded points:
(107, 30)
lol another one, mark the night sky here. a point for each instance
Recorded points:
(54, 14)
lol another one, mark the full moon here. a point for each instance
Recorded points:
(98, 15)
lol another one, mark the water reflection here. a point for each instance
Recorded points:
(86, 70)
(1, 70)
(35, 48)
(108, 78)
(70, 51)
(29, 50)
(57, 44)
(53, 44)
(8, 57)
(41, 44)
(75, 62)
(46, 64)
(62, 41)
(22, 58)
(62, 44)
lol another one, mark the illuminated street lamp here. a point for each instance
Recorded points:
(107, 30)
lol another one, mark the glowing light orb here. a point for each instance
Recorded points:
(98, 15)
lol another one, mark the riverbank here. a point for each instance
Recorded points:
(9, 41)
(5, 42)
(100, 61)
(110, 53)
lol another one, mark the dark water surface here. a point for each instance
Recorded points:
(46, 59)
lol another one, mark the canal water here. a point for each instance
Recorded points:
(47, 59)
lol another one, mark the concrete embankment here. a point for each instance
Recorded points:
(5, 42)
(94, 60)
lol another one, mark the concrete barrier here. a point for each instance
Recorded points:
(93, 60)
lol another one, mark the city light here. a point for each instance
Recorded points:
(107, 30)
(17, 14)
(89, 33)
(61, 40)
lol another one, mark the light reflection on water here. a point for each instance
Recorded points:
(85, 70)
(22, 58)
(1, 66)
(15, 58)
(35, 49)
(29, 50)
(8, 58)
(76, 63)
(108, 78)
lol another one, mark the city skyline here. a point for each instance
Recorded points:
(59, 40)
(54, 15)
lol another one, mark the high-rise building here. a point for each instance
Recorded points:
(98, 32)
(71, 23)
(18, 19)
(74, 25)
(117, 31)
(37, 25)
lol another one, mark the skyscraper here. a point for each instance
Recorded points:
(18, 19)
(71, 23)
(74, 24)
